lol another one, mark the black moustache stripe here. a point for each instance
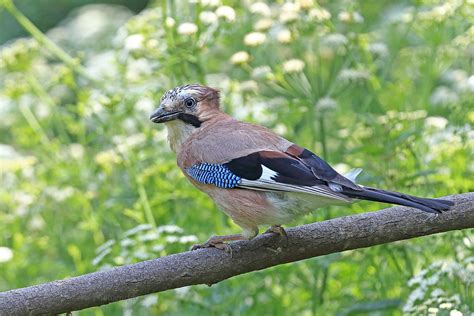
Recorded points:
(190, 119)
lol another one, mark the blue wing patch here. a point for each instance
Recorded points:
(218, 175)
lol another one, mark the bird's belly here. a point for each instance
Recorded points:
(291, 205)
(252, 208)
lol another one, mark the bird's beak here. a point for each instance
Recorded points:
(161, 116)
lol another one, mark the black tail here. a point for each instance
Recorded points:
(424, 204)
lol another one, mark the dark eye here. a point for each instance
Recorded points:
(190, 103)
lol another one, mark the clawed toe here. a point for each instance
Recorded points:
(223, 246)
(200, 246)
(277, 229)
(214, 243)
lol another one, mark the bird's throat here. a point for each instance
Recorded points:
(178, 133)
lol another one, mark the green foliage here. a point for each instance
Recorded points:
(88, 182)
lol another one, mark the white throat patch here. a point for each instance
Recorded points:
(178, 133)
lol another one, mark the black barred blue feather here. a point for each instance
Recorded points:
(218, 175)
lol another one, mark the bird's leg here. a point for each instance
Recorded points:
(277, 229)
(219, 242)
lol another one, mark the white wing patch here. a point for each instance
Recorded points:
(266, 183)
(267, 174)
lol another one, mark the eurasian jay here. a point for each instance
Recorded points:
(255, 176)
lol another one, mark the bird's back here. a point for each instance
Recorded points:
(221, 140)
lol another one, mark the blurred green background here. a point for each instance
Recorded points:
(88, 182)
(45, 14)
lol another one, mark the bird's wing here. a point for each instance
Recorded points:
(229, 150)
(321, 169)
(266, 171)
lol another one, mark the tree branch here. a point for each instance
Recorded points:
(209, 266)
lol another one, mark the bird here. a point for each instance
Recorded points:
(255, 176)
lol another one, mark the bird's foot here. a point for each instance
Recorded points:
(279, 230)
(219, 242)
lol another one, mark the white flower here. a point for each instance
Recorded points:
(248, 86)
(107, 158)
(470, 83)
(7, 151)
(344, 16)
(319, 14)
(459, 80)
(254, 39)
(353, 75)
(6, 254)
(288, 16)
(378, 49)
(350, 17)
(170, 22)
(290, 6)
(137, 69)
(76, 150)
(100, 66)
(208, 17)
(437, 122)
(241, 57)
(280, 129)
(59, 194)
(443, 95)
(125, 144)
(152, 43)
(433, 310)
(145, 105)
(445, 305)
(263, 24)
(260, 8)
(439, 13)
(455, 75)
(326, 103)
(293, 65)
(455, 312)
(171, 229)
(305, 4)
(188, 239)
(284, 36)
(334, 40)
(134, 42)
(437, 292)
(357, 17)
(226, 12)
(210, 3)
(261, 72)
(289, 12)
(187, 29)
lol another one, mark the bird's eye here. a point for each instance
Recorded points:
(190, 103)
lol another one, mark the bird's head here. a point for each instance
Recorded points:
(184, 109)
(191, 104)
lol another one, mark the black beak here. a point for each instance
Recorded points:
(161, 116)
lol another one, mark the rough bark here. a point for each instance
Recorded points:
(209, 266)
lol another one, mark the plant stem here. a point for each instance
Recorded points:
(322, 132)
(146, 204)
(35, 125)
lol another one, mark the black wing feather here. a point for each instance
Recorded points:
(289, 170)
(300, 167)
